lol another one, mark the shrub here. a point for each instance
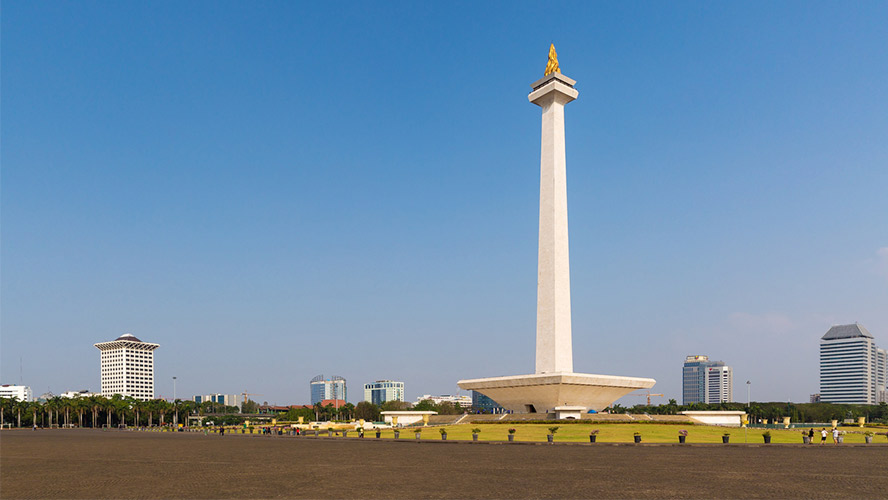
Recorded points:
(443, 431)
(682, 432)
(476, 430)
(553, 430)
(512, 430)
(593, 432)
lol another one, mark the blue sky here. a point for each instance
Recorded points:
(279, 190)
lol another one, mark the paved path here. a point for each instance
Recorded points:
(119, 464)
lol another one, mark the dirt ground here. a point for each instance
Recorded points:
(120, 464)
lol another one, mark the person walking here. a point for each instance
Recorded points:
(822, 435)
(811, 435)
(835, 435)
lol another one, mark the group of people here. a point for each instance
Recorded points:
(823, 435)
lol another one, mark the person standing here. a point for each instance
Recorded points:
(822, 435)
(811, 435)
(835, 435)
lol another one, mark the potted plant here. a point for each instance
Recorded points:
(868, 437)
(417, 433)
(767, 436)
(682, 435)
(592, 434)
(475, 433)
(443, 432)
(397, 433)
(551, 436)
(378, 433)
(805, 439)
(726, 437)
(512, 434)
(637, 437)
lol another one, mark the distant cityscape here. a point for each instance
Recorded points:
(853, 370)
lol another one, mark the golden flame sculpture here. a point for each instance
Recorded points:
(552, 65)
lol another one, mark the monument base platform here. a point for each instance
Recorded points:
(546, 392)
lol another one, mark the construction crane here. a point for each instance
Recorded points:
(246, 396)
(648, 395)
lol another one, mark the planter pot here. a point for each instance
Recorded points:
(681, 439)
(841, 439)
(637, 439)
(511, 438)
(805, 439)
(397, 434)
(443, 437)
(725, 439)
(378, 434)
(317, 433)
(345, 434)
(474, 437)
(550, 438)
(868, 439)
(417, 436)
(329, 433)
(767, 439)
(592, 438)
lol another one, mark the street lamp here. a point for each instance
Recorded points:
(175, 410)
(747, 394)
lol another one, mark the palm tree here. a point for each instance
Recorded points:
(4, 403)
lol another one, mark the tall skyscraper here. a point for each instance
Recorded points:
(705, 381)
(127, 367)
(383, 390)
(852, 367)
(324, 388)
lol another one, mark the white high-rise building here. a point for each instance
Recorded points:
(383, 390)
(128, 367)
(852, 368)
(705, 381)
(19, 392)
(323, 389)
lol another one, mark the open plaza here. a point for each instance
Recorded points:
(81, 463)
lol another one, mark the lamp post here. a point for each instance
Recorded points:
(747, 394)
(175, 410)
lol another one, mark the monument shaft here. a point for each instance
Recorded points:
(553, 342)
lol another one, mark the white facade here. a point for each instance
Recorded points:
(78, 394)
(127, 367)
(19, 392)
(719, 382)
(383, 390)
(463, 401)
(852, 368)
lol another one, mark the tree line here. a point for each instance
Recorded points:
(98, 411)
(798, 412)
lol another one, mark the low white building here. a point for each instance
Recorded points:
(462, 401)
(19, 392)
(78, 394)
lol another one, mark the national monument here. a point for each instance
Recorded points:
(554, 388)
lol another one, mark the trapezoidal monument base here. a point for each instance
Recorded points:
(545, 392)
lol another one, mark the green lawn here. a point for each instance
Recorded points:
(618, 433)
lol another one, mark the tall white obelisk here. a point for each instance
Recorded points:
(554, 389)
(554, 353)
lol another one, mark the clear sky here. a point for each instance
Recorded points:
(276, 190)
